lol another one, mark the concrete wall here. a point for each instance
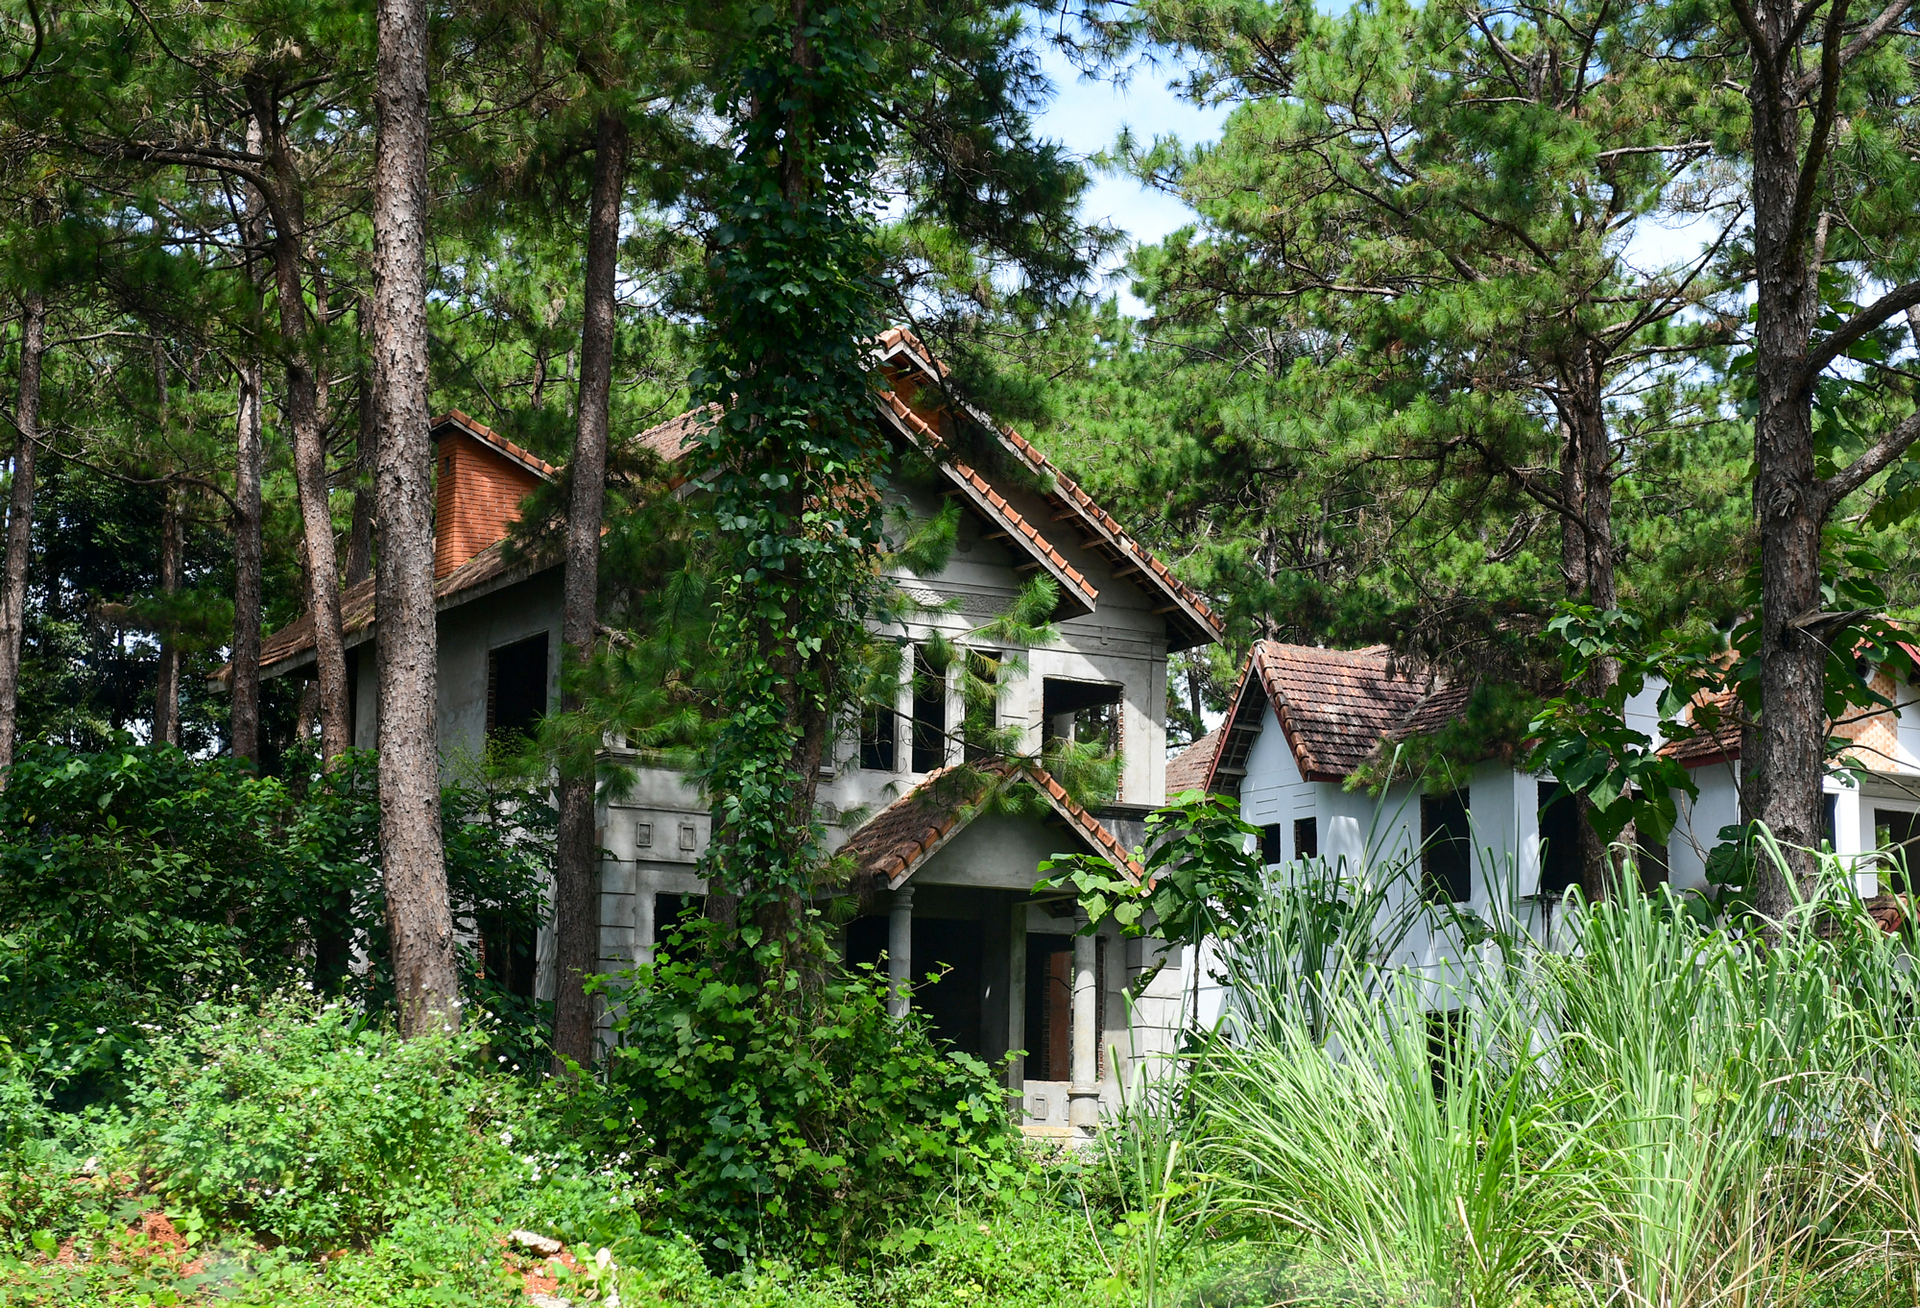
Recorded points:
(467, 633)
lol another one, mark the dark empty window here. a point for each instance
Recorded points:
(517, 687)
(1086, 712)
(1446, 1047)
(1446, 838)
(507, 953)
(1306, 837)
(980, 692)
(929, 713)
(1897, 832)
(1653, 864)
(1270, 851)
(879, 738)
(1559, 840)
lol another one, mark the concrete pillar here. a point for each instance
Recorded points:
(900, 951)
(1083, 1094)
(645, 929)
(1017, 990)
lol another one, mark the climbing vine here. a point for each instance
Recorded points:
(791, 461)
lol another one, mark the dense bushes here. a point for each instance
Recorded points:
(137, 882)
(781, 1124)
(314, 1128)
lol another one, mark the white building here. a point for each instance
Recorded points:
(1304, 720)
(948, 883)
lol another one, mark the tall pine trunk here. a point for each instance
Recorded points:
(243, 707)
(1784, 759)
(426, 988)
(13, 588)
(166, 682)
(243, 722)
(577, 856)
(287, 207)
(1586, 551)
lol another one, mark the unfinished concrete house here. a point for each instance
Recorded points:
(951, 881)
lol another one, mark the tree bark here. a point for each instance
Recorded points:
(13, 590)
(419, 920)
(365, 450)
(243, 723)
(166, 687)
(1781, 777)
(287, 209)
(1586, 551)
(243, 720)
(577, 855)
(166, 681)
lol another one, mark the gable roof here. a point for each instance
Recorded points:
(895, 842)
(1188, 770)
(453, 420)
(1190, 621)
(291, 647)
(1335, 707)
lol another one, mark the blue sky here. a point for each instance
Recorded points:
(1086, 115)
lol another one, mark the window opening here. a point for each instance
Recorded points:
(1270, 851)
(879, 738)
(980, 693)
(1446, 837)
(929, 713)
(517, 687)
(1306, 837)
(1897, 833)
(1559, 840)
(1086, 712)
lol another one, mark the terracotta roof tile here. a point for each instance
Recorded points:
(672, 438)
(1208, 626)
(1013, 519)
(1335, 706)
(356, 610)
(894, 842)
(1188, 769)
(526, 458)
(1721, 745)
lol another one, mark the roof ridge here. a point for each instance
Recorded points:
(487, 435)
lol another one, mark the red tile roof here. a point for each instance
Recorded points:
(525, 458)
(1335, 706)
(672, 438)
(994, 505)
(898, 839)
(1198, 624)
(1188, 769)
(1721, 745)
(285, 648)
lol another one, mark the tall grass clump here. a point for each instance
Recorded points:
(1657, 1111)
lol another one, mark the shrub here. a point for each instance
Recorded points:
(129, 879)
(792, 1127)
(318, 1130)
(137, 882)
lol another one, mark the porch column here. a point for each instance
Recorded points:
(1083, 1095)
(900, 951)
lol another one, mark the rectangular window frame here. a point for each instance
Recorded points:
(1446, 847)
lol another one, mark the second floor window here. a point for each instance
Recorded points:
(929, 712)
(517, 688)
(1446, 840)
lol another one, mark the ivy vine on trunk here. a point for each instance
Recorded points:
(791, 460)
